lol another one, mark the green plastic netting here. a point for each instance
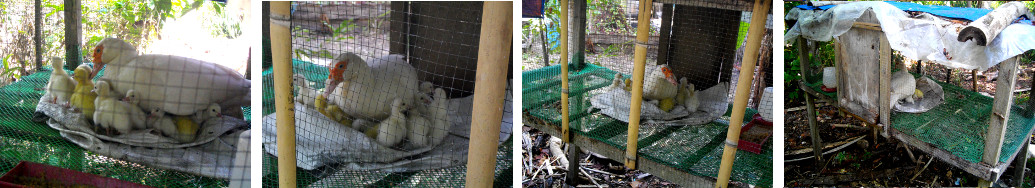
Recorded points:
(439, 39)
(694, 149)
(25, 140)
(959, 124)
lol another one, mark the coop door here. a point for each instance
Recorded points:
(858, 69)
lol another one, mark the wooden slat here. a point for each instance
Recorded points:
(864, 25)
(665, 40)
(1000, 110)
(810, 103)
(885, 83)
(400, 43)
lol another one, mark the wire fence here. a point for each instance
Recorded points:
(692, 57)
(383, 94)
(163, 134)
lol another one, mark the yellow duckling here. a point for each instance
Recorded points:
(667, 104)
(186, 129)
(82, 97)
(332, 111)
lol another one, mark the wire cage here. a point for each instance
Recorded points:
(682, 126)
(952, 116)
(49, 139)
(421, 54)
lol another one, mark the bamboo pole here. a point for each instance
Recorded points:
(280, 42)
(490, 90)
(640, 60)
(755, 32)
(565, 135)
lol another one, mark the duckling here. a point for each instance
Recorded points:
(110, 114)
(165, 125)
(306, 94)
(690, 101)
(186, 129)
(136, 116)
(83, 98)
(61, 85)
(420, 129)
(392, 130)
(439, 116)
(213, 111)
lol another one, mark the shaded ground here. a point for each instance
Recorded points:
(542, 168)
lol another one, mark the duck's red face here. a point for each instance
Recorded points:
(98, 64)
(337, 70)
(669, 76)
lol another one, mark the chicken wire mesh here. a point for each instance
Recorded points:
(957, 124)
(386, 55)
(45, 120)
(681, 127)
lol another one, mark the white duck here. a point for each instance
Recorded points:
(438, 115)
(179, 85)
(306, 93)
(659, 83)
(110, 113)
(391, 131)
(61, 85)
(137, 117)
(419, 128)
(903, 86)
(371, 86)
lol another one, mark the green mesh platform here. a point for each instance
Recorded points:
(694, 149)
(818, 87)
(25, 140)
(959, 124)
(447, 177)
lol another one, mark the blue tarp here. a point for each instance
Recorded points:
(943, 11)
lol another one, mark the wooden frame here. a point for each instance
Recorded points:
(989, 169)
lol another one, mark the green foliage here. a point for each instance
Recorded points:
(8, 70)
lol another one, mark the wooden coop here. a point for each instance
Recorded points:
(41, 148)
(981, 135)
(449, 44)
(698, 41)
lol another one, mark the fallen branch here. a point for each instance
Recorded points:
(850, 126)
(594, 180)
(922, 169)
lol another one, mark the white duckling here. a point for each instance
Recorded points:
(689, 99)
(163, 124)
(61, 85)
(659, 83)
(438, 115)
(110, 114)
(372, 86)
(137, 117)
(306, 93)
(391, 131)
(179, 85)
(419, 128)
(213, 111)
(616, 83)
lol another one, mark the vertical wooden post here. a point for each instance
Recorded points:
(280, 44)
(565, 135)
(1000, 114)
(640, 61)
(73, 29)
(37, 38)
(490, 90)
(884, 106)
(755, 33)
(810, 103)
(973, 80)
(1019, 162)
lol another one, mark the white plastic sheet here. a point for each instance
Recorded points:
(924, 37)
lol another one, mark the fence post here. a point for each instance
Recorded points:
(73, 27)
(280, 44)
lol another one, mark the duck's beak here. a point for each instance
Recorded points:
(329, 88)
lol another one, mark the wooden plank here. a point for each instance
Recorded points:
(980, 170)
(1019, 161)
(869, 26)
(885, 83)
(1000, 110)
(737, 5)
(608, 39)
(668, 173)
